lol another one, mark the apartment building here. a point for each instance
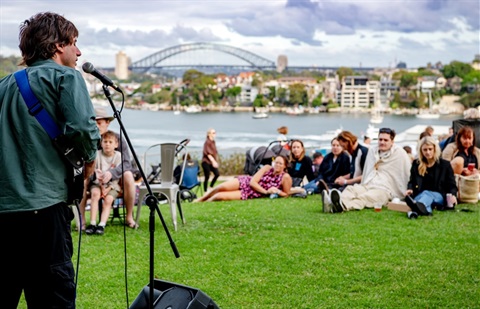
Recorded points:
(358, 92)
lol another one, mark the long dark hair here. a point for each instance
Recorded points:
(465, 132)
(40, 34)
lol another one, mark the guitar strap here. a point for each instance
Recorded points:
(36, 109)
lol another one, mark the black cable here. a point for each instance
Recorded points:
(79, 241)
(124, 216)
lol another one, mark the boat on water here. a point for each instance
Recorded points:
(376, 117)
(192, 109)
(430, 113)
(297, 110)
(372, 132)
(260, 116)
(176, 109)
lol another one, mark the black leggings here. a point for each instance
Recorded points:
(207, 168)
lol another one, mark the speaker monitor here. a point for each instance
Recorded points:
(169, 295)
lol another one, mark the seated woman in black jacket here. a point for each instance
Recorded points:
(300, 165)
(334, 165)
(431, 179)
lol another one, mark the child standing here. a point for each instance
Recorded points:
(101, 187)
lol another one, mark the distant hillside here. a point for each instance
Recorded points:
(9, 65)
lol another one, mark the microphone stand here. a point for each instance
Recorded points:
(151, 201)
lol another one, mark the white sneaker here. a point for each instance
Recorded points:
(326, 202)
(335, 197)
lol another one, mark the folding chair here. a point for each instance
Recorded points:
(167, 187)
(190, 181)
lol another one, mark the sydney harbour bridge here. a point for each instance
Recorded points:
(223, 58)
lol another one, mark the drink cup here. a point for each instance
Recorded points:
(449, 200)
(471, 166)
(377, 207)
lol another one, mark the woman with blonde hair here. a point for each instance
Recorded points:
(210, 159)
(431, 179)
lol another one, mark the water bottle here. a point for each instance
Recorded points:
(274, 195)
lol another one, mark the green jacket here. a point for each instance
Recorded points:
(32, 173)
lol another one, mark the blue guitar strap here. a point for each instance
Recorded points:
(35, 107)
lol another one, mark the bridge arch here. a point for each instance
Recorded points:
(152, 60)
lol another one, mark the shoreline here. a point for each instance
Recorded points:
(453, 109)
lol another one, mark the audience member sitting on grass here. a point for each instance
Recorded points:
(267, 181)
(335, 164)
(358, 153)
(385, 176)
(124, 172)
(100, 187)
(463, 155)
(367, 141)
(300, 164)
(317, 159)
(431, 179)
(408, 150)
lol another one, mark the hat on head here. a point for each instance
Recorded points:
(101, 113)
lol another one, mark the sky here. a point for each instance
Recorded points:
(353, 33)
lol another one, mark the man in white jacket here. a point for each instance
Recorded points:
(385, 176)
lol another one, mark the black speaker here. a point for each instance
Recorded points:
(169, 295)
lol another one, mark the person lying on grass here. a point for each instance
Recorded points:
(268, 180)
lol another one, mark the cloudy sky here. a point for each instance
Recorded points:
(369, 33)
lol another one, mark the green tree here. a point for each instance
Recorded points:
(145, 88)
(456, 68)
(260, 101)
(471, 99)
(317, 101)
(406, 78)
(426, 72)
(198, 86)
(272, 93)
(298, 94)
(161, 96)
(344, 71)
(282, 95)
(9, 65)
(232, 93)
(472, 78)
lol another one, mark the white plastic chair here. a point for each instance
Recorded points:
(166, 187)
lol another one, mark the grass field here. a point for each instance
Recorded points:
(286, 253)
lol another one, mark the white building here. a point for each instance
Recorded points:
(122, 61)
(358, 92)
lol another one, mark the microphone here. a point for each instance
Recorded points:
(89, 68)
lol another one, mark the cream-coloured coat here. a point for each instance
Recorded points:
(389, 171)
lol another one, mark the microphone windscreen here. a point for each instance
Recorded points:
(88, 67)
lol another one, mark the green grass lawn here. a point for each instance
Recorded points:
(286, 253)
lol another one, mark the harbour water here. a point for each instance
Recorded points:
(237, 132)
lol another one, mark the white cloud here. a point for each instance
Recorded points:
(324, 33)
